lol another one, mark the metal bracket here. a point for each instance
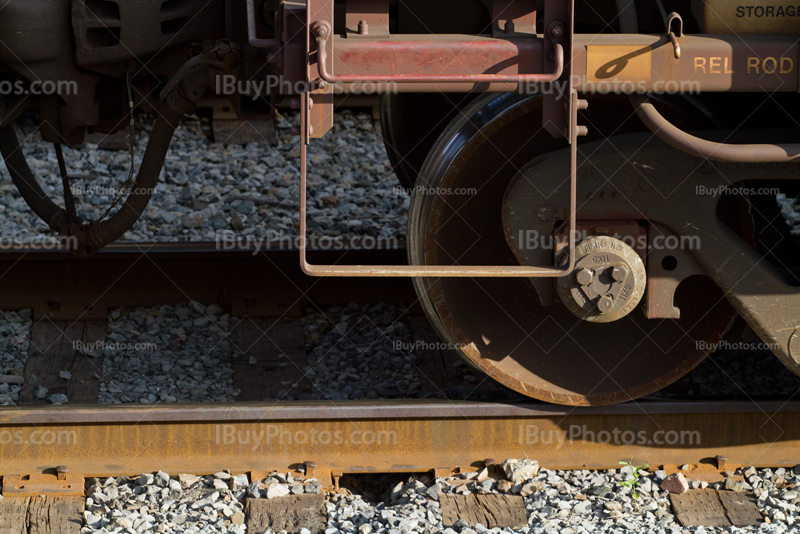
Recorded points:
(62, 484)
(554, 117)
(514, 18)
(367, 19)
(320, 92)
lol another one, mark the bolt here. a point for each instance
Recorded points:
(320, 30)
(619, 273)
(322, 84)
(584, 276)
(557, 31)
(309, 467)
(61, 471)
(605, 304)
(363, 27)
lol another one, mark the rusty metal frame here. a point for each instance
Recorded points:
(443, 271)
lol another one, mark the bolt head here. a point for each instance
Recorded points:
(320, 29)
(605, 304)
(584, 276)
(557, 31)
(619, 273)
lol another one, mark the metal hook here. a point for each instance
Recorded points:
(668, 20)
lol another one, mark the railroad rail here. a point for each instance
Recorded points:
(169, 273)
(332, 439)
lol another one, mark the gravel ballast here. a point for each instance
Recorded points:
(183, 353)
(562, 502)
(14, 342)
(167, 354)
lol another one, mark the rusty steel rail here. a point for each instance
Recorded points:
(386, 436)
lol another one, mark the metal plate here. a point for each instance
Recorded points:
(42, 484)
(755, 16)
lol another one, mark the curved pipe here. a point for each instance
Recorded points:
(702, 148)
(711, 150)
(185, 92)
(26, 183)
(112, 229)
(322, 33)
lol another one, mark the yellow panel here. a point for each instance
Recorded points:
(619, 63)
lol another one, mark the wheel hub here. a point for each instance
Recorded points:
(608, 281)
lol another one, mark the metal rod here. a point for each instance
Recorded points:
(438, 271)
(26, 183)
(69, 200)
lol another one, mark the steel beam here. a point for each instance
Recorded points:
(600, 63)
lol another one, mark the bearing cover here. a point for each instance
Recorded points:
(608, 281)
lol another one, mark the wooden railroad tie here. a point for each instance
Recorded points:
(493, 510)
(290, 513)
(712, 508)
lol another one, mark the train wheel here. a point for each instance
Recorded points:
(499, 325)
(410, 125)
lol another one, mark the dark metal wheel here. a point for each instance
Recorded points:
(410, 125)
(499, 325)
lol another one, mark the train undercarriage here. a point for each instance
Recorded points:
(593, 183)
